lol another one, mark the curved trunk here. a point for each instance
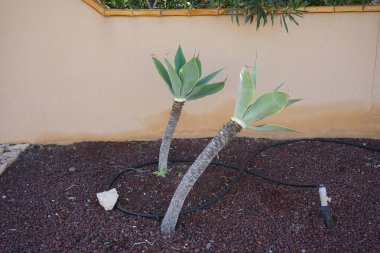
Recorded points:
(167, 139)
(195, 171)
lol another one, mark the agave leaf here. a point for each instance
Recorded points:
(207, 78)
(174, 79)
(207, 90)
(179, 60)
(189, 75)
(266, 105)
(163, 73)
(245, 94)
(199, 64)
(279, 86)
(254, 72)
(292, 101)
(270, 128)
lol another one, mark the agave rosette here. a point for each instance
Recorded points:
(184, 78)
(248, 110)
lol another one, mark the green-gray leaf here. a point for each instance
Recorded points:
(279, 86)
(189, 75)
(199, 66)
(266, 105)
(163, 73)
(270, 128)
(174, 79)
(292, 101)
(254, 72)
(179, 60)
(245, 94)
(207, 90)
(208, 78)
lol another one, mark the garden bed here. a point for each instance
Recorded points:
(48, 199)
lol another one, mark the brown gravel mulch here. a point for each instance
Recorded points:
(48, 199)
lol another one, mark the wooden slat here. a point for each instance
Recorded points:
(320, 9)
(95, 5)
(204, 12)
(115, 12)
(147, 13)
(175, 12)
(348, 8)
(374, 8)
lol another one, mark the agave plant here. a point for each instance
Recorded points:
(185, 83)
(247, 111)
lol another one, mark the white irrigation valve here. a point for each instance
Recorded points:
(323, 196)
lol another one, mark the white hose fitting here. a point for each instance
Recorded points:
(323, 196)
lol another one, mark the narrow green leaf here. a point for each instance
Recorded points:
(266, 105)
(163, 73)
(207, 90)
(199, 64)
(258, 19)
(245, 93)
(179, 60)
(279, 86)
(285, 24)
(174, 79)
(189, 75)
(237, 16)
(254, 71)
(292, 101)
(208, 78)
(270, 128)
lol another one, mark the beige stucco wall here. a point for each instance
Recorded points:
(69, 74)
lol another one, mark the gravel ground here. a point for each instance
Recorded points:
(48, 199)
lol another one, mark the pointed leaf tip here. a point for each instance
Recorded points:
(271, 128)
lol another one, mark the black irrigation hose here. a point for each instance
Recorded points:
(205, 205)
(157, 215)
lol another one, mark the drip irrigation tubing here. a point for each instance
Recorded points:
(157, 215)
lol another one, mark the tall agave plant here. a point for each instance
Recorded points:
(247, 111)
(185, 83)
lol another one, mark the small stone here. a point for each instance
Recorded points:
(72, 198)
(108, 199)
(208, 246)
(196, 251)
(72, 169)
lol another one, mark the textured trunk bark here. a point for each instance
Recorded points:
(167, 139)
(195, 171)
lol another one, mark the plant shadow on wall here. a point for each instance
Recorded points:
(260, 12)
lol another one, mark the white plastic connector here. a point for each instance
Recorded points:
(323, 196)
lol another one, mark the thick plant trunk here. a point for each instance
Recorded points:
(167, 139)
(195, 171)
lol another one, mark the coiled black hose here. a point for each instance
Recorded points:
(157, 215)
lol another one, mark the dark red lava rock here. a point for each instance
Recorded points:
(46, 206)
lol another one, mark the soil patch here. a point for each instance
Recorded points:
(48, 199)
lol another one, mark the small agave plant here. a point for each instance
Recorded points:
(185, 83)
(247, 111)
